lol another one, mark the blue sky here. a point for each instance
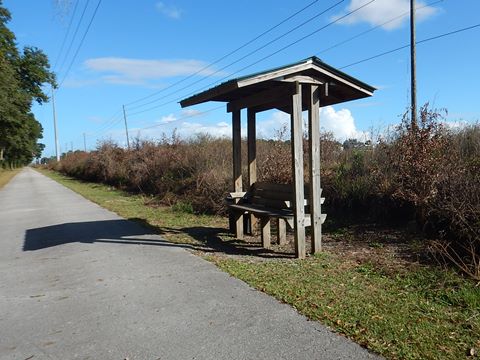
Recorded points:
(134, 49)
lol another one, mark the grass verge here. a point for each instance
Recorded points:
(7, 175)
(419, 313)
(175, 225)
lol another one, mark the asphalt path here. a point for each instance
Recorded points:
(80, 282)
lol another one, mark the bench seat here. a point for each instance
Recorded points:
(266, 201)
(261, 211)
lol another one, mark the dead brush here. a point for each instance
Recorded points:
(428, 170)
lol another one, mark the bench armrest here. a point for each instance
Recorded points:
(236, 195)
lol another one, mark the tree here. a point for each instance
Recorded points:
(22, 75)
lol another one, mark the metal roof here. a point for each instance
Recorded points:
(343, 87)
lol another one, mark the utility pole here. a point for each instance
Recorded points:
(71, 146)
(413, 65)
(84, 142)
(55, 126)
(126, 127)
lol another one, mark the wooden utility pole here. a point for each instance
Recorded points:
(413, 65)
(84, 142)
(126, 127)
(57, 154)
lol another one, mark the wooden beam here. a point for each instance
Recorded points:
(252, 147)
(252, 159)
(344, 79)
(303, 79)
(281, 231)
(272, 94)
(314, 155)
(271, 75)
(266, 239)
(297, 171)
(237, 166)
(283, 105)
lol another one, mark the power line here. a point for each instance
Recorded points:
(74, 36)
(349, 65)
(256, 62)
(364, 60)
(81, 42)
(408, 45)
(106, 129)
(247, 55)
(112, 121)
(226, 55)
(375, 27)
(183, 118)
(66, 34)
(174, 121)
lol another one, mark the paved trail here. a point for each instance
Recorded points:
(79, 282)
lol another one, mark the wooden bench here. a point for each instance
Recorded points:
(266, 201)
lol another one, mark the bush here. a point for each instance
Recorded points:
(424, 172)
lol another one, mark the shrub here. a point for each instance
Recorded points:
(425, 172)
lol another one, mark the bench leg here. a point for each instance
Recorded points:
(253, 225)
(238, 220)
(246, 224)
(231, 222)
(282, 231)
(265, 225)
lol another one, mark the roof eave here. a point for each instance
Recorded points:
(215, 93)
(343, 75)
(210, 94)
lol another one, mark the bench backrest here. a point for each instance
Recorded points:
(278, 196)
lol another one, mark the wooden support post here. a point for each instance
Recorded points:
(297, 171)
(265, 225)
(237, 167)
(282, 231)
(315, 190)
(252, 159)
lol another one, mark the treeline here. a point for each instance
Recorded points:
(22, 74)
(427, 174)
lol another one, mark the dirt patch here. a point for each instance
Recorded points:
(391, 250)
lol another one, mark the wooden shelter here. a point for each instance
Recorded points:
(305, 85)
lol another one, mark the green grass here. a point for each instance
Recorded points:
(6, 176)
(421, 313)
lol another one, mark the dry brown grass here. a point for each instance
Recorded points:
(7, 175)
(427, 174)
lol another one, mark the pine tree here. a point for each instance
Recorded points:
(22, 75)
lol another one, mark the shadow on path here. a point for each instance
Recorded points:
(139, 232)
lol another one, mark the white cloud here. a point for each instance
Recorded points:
(455, 125)
(381, 11)
(142, 71)
(341, 123)
(169, 10)
(191, 112)
(167, 119)
(221, 129)
(270, 127)
(185, 130)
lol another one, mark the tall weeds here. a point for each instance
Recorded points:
(427, 173)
